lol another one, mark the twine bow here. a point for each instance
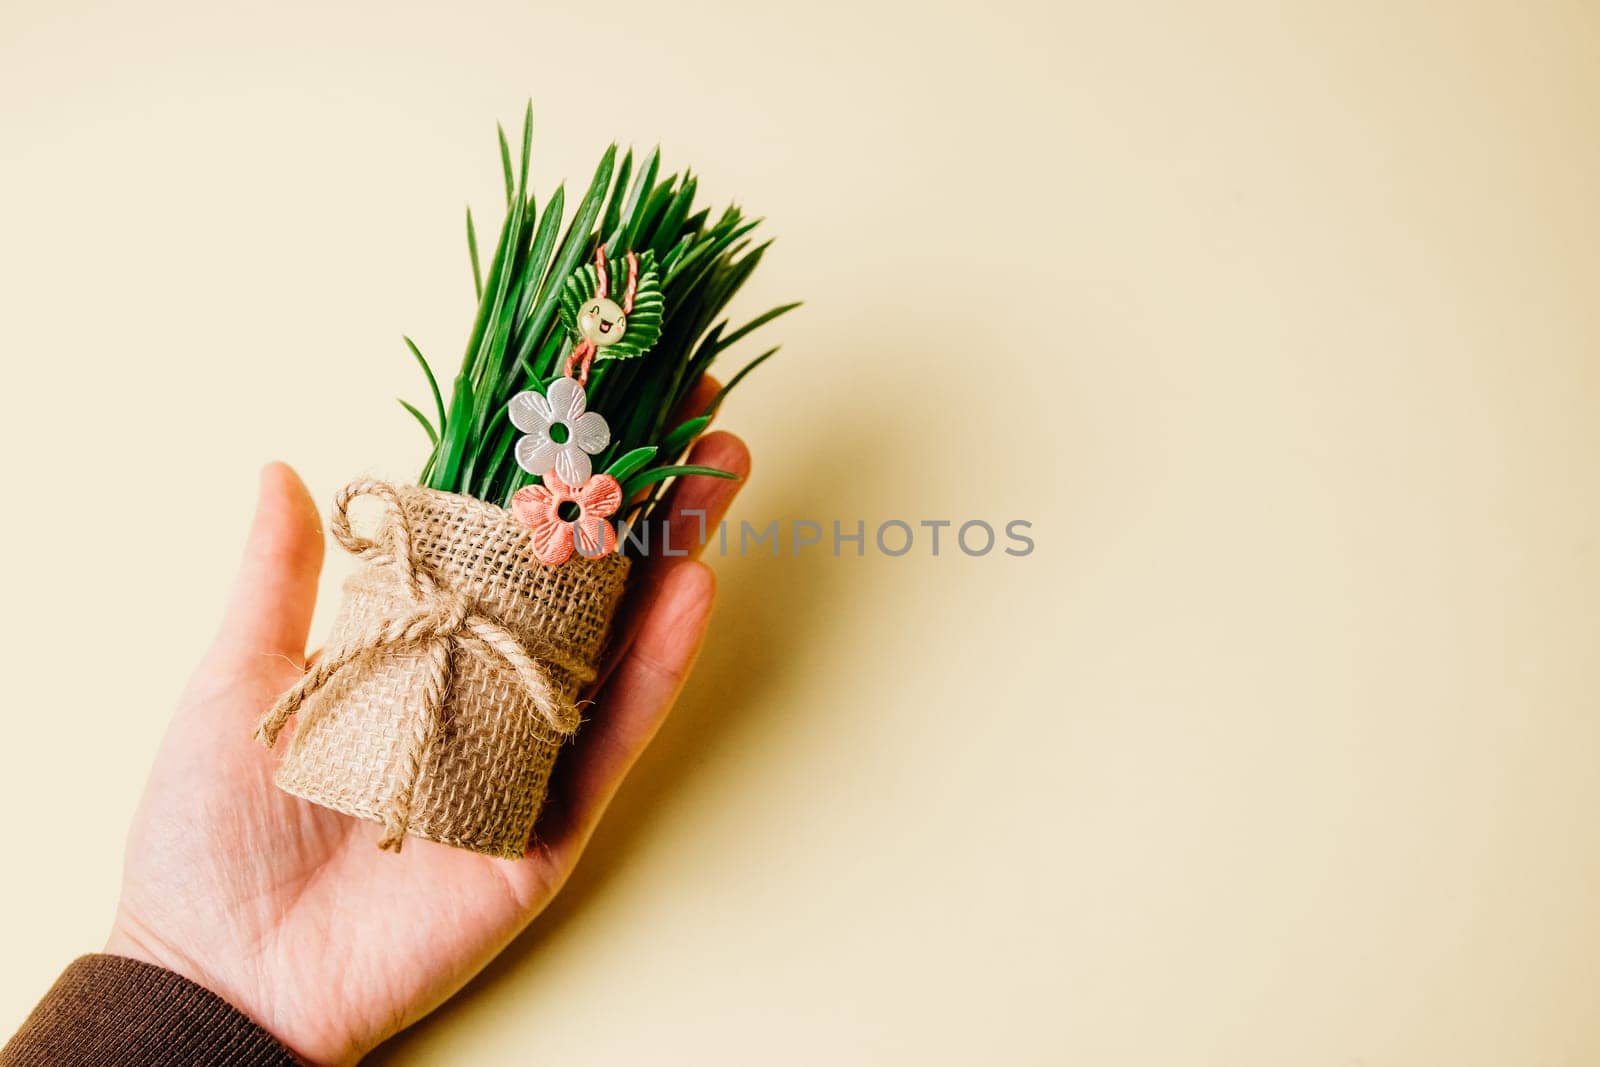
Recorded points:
(439, 622)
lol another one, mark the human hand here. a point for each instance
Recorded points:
(288, 910)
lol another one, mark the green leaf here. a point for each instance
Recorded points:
(686, 432)
(576, 245)
(632, 211)
(472, 249)
(626, 465)
(527, 142)
(722, 393)
(608, 222)
(505, 162)
(755, 324)
(433, 437)
(433, 383)
(498, 266)
(693, 267)
(667, 229)
(486, 360)
(661, 474)
(650, 215)
(444, 467)
(486, 485)
(544, 240)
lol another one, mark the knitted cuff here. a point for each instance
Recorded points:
(110, 1010)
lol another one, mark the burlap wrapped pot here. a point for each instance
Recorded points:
(448, 684)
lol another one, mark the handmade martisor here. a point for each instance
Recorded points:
(455, 668)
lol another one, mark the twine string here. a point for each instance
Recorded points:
(438, 622)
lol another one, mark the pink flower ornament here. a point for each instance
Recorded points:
(566, 519)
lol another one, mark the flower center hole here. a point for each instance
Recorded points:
(558, 433)
(568, 511)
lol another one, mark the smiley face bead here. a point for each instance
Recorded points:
(601, 322)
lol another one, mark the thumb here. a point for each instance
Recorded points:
(269, 610)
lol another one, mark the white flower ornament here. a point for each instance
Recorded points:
(560, 434)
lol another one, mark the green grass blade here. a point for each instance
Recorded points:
(433, 383)
(661, 474)
(755, 324)
(626, 465)
(433, 438)
(664, 235)
(633, 212)
(487, 359)
(527, 145)
(686, 431)
(716, 401)
(496, 464)
(472, 250)
(505, 162)
(544, 241)
(575, 247)
(619, 189)
(447, 463)
(649, 217)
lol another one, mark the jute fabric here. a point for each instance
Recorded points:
(450, 680)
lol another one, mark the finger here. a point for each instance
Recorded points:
(695, 504)
(697, 399)
(269, 609)
(694, 405)
(629, 710)
(691, 512)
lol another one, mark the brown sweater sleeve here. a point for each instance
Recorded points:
(109, 1010)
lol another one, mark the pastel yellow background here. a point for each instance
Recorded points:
(1278, 321)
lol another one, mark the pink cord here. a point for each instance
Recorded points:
(633, 284)
(583, 350)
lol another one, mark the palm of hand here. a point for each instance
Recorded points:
(289, 907)
(288, 910)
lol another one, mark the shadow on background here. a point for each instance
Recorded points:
(770, 614)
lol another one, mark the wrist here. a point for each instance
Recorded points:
(135, 940)
(316, 1037)
(132, 940)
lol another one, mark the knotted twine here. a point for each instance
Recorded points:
(427, 621)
